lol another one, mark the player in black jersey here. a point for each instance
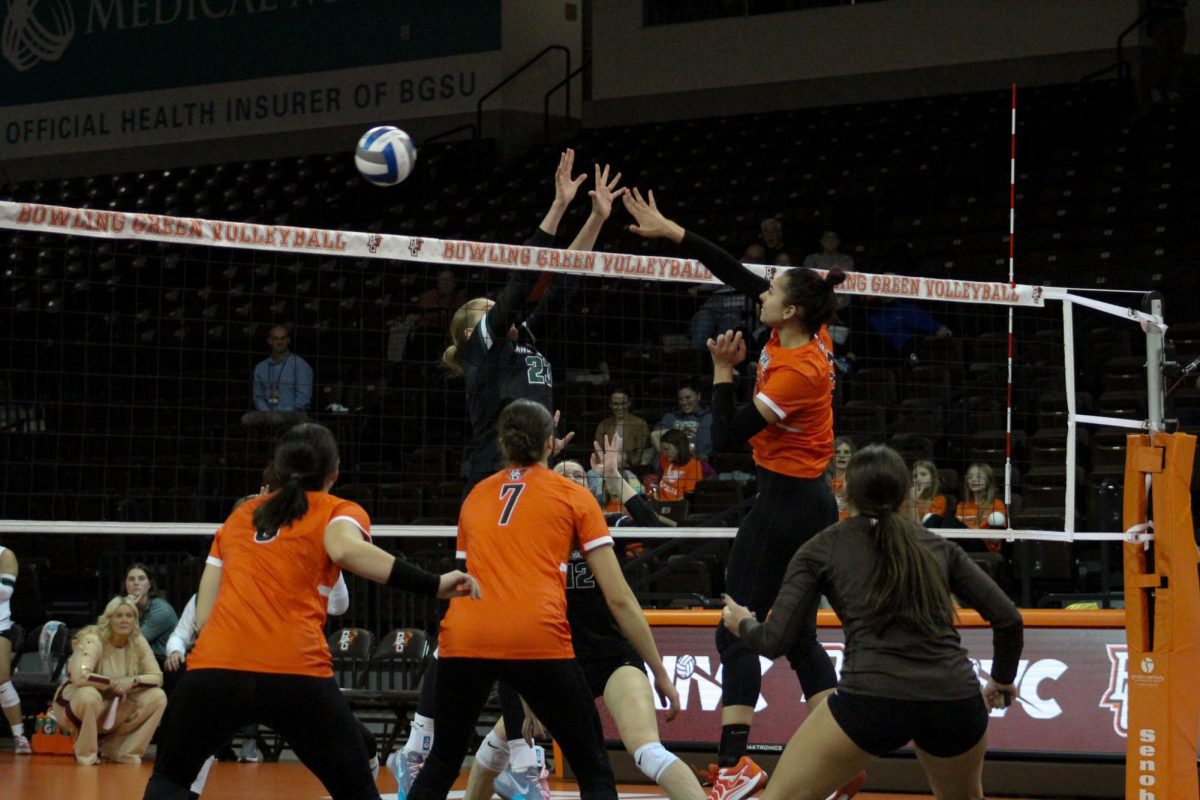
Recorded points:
(495, 349)
(495, 345)
(612, 666)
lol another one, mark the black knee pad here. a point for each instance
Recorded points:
(741, 678)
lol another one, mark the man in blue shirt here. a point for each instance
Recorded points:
(283, 384)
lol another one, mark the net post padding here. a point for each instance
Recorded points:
(1162, 613)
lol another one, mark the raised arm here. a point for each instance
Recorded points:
(653, 225)
(606, 460)
(559, 290)
(733, 426)
(565, 188)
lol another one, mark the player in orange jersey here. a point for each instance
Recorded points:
(789, 426)
(261, 655)
(516, 532)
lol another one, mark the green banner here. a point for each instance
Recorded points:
(67, 49)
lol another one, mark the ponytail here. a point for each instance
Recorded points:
(305, 458)
(907, 584)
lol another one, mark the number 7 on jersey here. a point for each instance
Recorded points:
(510, 493)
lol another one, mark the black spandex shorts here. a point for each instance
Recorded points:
(879, 725)
(11, 635)
(597, 671)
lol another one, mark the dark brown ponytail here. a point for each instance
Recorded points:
(305, 458)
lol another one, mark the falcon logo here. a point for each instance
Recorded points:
(346, 640)
(1117, 694)
(374, 240)
(32, 34)
(414, 246)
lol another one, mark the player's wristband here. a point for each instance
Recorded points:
(412, 578)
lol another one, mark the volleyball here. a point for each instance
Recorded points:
(385, 155)
(996, 520)
(684, 667)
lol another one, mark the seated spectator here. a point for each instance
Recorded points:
(439, 303)
(770, 238)
(679, 471)
(283, 385)
(981, 509)
(725, 309)
(843, 449)
(691, 418)
(157, 617)
(900, 322)
(829, 256)
(633, 430)
(112, 700)
(926, 505)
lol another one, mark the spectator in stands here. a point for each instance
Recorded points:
(843, 449)
(633, 430)
(283, 384)
(725, 309)
(439, 303)
(771, 239)
(157, 617)
(112, 700)
(679, 470)
(691, 418)
(829, 256)
(900, 323)
(926, 505)
(10, 701)
(982, 509)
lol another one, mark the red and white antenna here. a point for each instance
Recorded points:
(1012, 219)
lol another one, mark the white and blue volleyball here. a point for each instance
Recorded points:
(385, 155)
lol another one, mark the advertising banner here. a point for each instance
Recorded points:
(1071, 682)
(100, 74)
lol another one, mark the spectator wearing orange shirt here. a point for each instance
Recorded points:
(926, 505)
(679, 469)
(843, 449)
(982, 509)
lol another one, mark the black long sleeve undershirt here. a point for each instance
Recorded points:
(732, 427)
(732, 272)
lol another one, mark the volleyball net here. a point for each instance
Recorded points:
(131, 340)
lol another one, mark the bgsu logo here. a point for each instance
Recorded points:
(401, 642)
(414, 246)
(374, 240)
(346, 640)
(1117, 694)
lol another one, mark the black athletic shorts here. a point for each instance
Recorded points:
(879, 725)
(597, 671)
(11, 635)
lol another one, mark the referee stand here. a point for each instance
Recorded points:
(1162, 615)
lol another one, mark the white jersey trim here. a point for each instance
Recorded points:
(216, 562)
(355, 523)
(600, 542)
(461, 554)
(769, 403)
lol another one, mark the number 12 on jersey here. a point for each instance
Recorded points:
(510, 493)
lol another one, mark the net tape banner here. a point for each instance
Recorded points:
(36, 218)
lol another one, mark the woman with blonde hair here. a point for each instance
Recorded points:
(981, 509)
(925, 503)
(112, 700)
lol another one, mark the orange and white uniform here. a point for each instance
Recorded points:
(269, 614)
(516, 532)
(919, 508)
(797, 384)
(968, 513)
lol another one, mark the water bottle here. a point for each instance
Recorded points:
(51, 725)
(39, 724)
